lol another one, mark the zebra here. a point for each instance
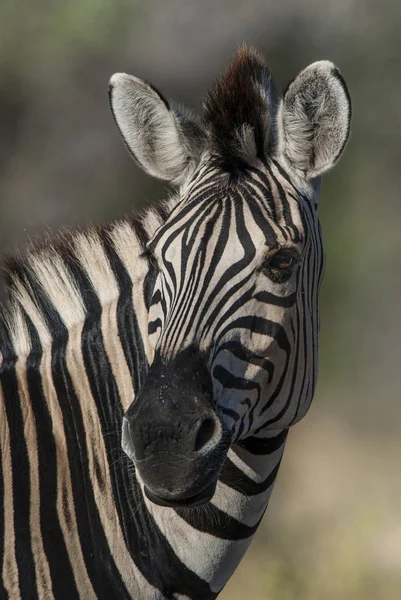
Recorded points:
(151, 367)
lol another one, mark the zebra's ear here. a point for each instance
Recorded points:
(165, 141)
(314, 120)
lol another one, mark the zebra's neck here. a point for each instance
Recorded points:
(74, 350)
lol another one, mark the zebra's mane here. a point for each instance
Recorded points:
(240, 112)
(79, 271)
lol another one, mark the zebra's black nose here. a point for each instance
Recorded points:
(174, 435)
(145, 437)
(178, 459)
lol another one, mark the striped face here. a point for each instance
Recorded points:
(238, 273)
(233, 318)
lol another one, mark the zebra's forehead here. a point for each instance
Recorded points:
(263, 197)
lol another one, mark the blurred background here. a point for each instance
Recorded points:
(333, 529)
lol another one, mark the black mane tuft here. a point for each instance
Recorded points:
(239, 111)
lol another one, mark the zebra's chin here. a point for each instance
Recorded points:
(198, 499)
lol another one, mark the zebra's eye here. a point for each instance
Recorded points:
(280, 266)
(282, 260)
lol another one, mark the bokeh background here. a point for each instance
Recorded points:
(333, 529)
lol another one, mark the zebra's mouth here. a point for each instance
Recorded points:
(197, 500)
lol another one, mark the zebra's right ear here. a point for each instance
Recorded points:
(166, 142)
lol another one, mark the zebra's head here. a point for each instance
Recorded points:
(236, 265)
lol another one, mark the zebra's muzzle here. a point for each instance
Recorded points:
(173, 434)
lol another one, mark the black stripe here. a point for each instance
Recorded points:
(230, 413)
(234, 478)
(224, 307)
(265, 190)
(285, 206)
(274, 300)
(148, 287)
(261, 326)
(128, 328)
(264, 446)
(153, 326)
(240, 352)
(59, 564)
(234, 382)
(218, 523)
(21, 481)
(136, 223)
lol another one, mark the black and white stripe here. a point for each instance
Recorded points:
(91, 313)
(262, 211)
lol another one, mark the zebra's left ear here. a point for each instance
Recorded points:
(314, 119)
(165, 141)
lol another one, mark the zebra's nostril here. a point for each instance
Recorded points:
(204, 434)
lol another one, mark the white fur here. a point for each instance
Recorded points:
(151, 130)
(313, 120)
